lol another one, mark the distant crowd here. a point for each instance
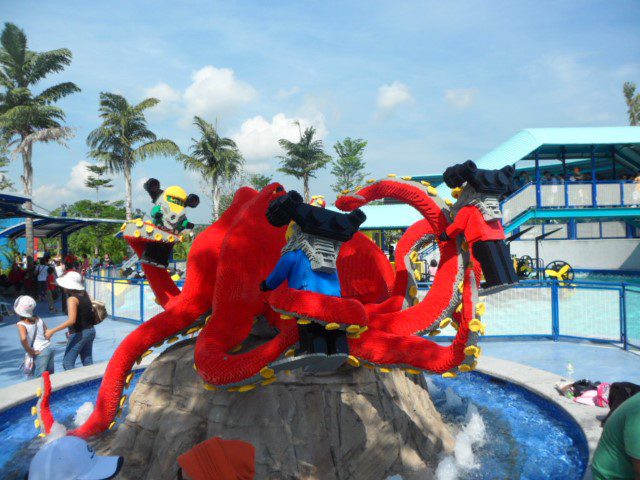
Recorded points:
(576, 176)
(38, 279)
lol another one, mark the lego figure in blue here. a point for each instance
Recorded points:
(308, 262)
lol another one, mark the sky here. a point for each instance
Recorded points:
(427, 84)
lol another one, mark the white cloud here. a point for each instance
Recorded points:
(258, 137)
(261, 167)
(216, 90)
(169, 99)
(460, 97)
(212, 91)
(285, 93)
(393, 94)
(51, 196)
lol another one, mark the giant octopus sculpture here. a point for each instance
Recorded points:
(380, 309)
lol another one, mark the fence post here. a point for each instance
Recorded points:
(142, 302)
(555, 311)
(623, 317)
(113, 298)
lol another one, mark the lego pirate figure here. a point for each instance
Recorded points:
(168, 214)
(477, 215)
(308, 262)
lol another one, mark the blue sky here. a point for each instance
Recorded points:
(428, 84)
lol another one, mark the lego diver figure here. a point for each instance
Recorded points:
(168, 211)
(168, 214)
(308, 262)
(477, 215)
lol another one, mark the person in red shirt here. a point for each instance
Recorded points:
(477, 216)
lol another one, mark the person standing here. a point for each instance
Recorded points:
(52, 289)
(33, 336)
(80, 321)
(41, 274)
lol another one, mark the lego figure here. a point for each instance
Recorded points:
(169, 209)
(477, 215)
(168, 214)
(308, 262)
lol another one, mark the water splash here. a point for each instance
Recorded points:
(83, 413)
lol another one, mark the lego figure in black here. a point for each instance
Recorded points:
(308, 262)
(477, 215)
(169, 214)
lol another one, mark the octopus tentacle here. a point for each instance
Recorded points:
(444, 295)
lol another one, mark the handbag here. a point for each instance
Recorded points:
(99, 311)
(29, 363)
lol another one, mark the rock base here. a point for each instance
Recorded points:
(353, 424)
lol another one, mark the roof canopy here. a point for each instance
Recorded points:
(44, 226)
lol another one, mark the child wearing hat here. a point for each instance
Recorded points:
(40, 353)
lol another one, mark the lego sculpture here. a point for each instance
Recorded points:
(309, 262)
(156, 238)
(386, 325)
(477, 214)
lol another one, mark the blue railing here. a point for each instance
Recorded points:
(570, 195)
(585, 310)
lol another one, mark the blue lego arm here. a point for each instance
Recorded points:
(281, 271)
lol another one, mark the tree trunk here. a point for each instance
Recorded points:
(127, 181)
(216, 200)
(27, 180)
(305, 181)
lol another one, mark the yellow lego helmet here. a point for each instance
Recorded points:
(318, 201)
(176, 198)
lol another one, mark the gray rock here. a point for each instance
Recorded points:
(353, 424)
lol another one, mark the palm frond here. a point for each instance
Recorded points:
(56, 92)
(14, 42)
(46, 135)
(161, 147)
(145, 104)
(45, 63)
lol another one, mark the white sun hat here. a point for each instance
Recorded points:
(24, 306)
(71, 457)
(71, 281)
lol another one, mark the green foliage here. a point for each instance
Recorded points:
(349, 167)
(259, 181)
(123, 139)
(303, 158)
(98, 239)
(96, 179)
(8, 253)
(5, 181)
(632, 99)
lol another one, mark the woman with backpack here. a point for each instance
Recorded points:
(80, 321)
(33, 331)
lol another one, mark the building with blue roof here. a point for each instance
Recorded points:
(578, 182)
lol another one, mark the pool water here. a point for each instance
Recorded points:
(528, 437)
(608, 278)
(18, 436)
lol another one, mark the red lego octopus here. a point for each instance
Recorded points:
(380, 309)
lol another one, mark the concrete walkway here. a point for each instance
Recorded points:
(109, 334)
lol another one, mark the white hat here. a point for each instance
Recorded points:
(71, 281)
(24, 306)
(71, 457)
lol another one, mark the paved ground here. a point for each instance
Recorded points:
(108, 335)
(588, 360)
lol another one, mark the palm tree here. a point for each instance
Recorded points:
(303, 158)
(27, 118)
(123, 139)
(96, 179)
(216, 158)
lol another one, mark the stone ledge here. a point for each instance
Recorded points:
(14, 395)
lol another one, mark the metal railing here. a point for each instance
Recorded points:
(571, 195)
(583, 310)
(597, 311)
